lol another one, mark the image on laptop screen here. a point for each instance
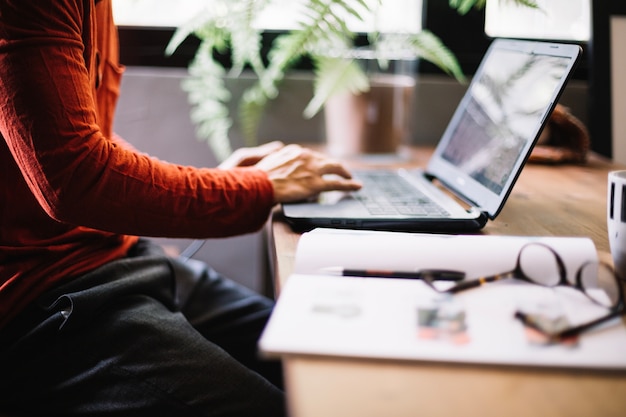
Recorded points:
(505, 106)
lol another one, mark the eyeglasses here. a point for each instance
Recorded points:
(539, 264)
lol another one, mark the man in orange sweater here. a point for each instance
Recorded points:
(93, 319)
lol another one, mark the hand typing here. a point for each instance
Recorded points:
(296, 173)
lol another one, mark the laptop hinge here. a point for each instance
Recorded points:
(452, 192)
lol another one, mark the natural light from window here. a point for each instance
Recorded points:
(556, 20)
(393, 16)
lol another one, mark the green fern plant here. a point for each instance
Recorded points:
(226, 27)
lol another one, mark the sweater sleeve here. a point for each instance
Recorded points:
(79, 176)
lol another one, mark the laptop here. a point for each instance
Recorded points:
(477, 160)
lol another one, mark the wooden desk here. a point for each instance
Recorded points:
(546, 201)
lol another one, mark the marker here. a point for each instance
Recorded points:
(431, 274)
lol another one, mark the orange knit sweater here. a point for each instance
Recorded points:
(72, 195)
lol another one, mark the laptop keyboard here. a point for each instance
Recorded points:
(386, 193)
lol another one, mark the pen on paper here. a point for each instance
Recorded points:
(431, 274)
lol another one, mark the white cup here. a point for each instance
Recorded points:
(616, 219)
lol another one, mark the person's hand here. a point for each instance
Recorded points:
(298, 174)
(249, 156)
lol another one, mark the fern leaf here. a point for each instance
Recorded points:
(205, 18)
(223, 25)
(428, 46)
(208, 95)
(245, 38)
(464, 6)
(526, 3)
(322, 26)
(335, 76)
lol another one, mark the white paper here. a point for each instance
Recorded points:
(476, 255)
(378, 317)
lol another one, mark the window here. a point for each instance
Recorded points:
(568, 20)
(146, 26)
(392, 16)
(155, 13)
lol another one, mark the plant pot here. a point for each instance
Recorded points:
(376, 121)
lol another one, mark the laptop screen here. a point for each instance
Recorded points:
(506, 104)
(500, 118)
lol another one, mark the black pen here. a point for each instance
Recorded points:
(431, 274)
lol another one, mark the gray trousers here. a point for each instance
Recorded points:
(142, 336)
